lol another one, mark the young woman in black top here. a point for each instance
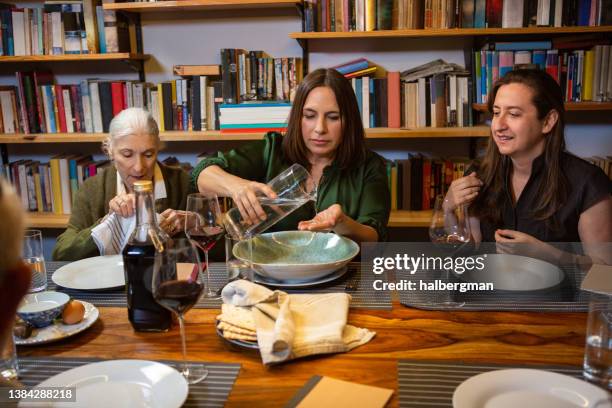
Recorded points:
(528, 190)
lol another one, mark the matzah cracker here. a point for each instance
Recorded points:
(230, 327)
(237, 316)
(236, 336)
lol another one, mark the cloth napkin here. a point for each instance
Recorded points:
(113, 232)
(293, 326)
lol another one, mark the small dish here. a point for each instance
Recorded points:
(58, 330)
(39, 309)
(527, 388)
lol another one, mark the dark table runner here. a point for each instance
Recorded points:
(432, 384)
(212, 392)
(364, 296)
(565, 297)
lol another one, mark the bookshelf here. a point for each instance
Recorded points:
(216, 136)
(450, 32)
(569, 106)
(398, 218)
(118, 56)
(193, 5)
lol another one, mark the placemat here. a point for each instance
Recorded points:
(364, 296)
(212, 392)
(565, 297)
(432, 384)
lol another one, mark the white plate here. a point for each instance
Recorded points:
(58, 330)
(527, 388)
(515, 272)
(290, 284)
(97, 273)
(123, 383)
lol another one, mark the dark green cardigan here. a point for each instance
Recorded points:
(91, 205)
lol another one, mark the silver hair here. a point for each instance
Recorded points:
(11, 239)
(130, 121)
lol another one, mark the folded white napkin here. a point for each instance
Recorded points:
(113, 232)
(293, 326)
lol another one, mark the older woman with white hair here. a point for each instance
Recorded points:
(105, 203)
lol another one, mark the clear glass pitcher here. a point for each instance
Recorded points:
(294, 187)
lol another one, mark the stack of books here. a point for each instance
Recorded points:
(254, 117)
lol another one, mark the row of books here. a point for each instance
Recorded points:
(416, 181)
(51, 187)
(584, 75)
(253, 75)
(37, 105)
(370, 15)
(67, 27)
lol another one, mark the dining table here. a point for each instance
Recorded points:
(513, 338)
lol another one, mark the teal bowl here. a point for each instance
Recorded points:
(297, 256)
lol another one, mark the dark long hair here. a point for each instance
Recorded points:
(352, 149)
(553, 187)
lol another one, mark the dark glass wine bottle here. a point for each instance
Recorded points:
(139, 257)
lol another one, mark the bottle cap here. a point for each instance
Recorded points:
(143, 185)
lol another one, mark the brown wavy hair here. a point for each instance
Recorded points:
(352, 149)
(552, 190)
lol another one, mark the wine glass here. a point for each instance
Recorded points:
(204, 227)
(177, 285)
(449, 231)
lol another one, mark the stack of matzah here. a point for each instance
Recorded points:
(237, 323)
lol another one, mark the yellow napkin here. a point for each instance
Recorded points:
(293, 326)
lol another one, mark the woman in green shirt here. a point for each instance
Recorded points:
(325, 135)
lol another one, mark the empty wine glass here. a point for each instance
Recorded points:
(177, 286)
(449, 231)
(204, 227)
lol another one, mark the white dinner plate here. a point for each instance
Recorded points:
(59, 330)
(528, 388)
(122, 384)
(97, 273)
(291, 284)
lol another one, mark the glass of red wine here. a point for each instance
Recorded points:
(177, 285)
(450, 232)
(204, 227)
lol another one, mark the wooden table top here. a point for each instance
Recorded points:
(402, 333)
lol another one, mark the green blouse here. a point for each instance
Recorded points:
(363, 191)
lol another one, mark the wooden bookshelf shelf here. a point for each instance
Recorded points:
(398, 218)
(191, 5)
(47, 220)
(450, 32)
(403, 218)
(76, 57)
(569, 106)
(216, 136)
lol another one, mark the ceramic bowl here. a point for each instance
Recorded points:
(515, 273)
(297, 256)
(39, 309)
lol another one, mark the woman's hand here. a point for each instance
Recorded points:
(123, 204)
(173, 221)
(326, 220)
(519, 243)
(462, 191)
(246, 200)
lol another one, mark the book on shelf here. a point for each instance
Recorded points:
(581, 73)
(51, 187)
(370, 15)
